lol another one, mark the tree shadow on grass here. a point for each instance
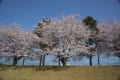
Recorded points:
(35, 68)
(118, 78)
(1, 78)
(5, 67)
(116, 65)
(54, 68)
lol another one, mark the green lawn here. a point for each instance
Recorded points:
(63, 73)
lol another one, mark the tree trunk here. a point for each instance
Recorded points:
(119, 58)
(98, 60)
(15, 60)
(59, 60)
(43, 60)
(40, 60)
(23, 60)
(90, 57)
(0, 59)
(64, 60)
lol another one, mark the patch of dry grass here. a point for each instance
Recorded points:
(63, 73)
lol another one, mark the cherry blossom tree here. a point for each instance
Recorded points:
(116, 38)
(72, 35)
(46, 31)
(15, 42)
(104, 38)
(108, 39)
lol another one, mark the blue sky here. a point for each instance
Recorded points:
(28, 12)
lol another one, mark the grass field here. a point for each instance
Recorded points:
(62, 73)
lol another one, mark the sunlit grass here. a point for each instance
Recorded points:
(60, 73)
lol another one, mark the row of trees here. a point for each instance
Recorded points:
(62, 37)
